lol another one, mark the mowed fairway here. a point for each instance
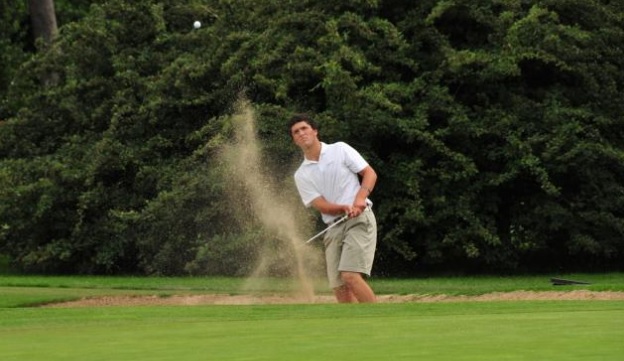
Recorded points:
(524, 330)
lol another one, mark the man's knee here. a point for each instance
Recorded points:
(350, 278)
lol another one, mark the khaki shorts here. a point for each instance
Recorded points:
(350, 246)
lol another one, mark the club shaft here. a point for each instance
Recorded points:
(327, 229)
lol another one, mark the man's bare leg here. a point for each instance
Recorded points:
(358, 287)
(344, 295)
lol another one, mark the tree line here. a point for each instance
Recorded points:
(496, 128)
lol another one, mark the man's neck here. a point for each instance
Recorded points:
(313, 153)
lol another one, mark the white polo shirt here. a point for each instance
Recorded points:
(333, 177)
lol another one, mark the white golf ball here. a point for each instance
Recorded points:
(197, 25)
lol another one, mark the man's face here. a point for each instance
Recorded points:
(303, 135)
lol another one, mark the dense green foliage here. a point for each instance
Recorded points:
(496, 128)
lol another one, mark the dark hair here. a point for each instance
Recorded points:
(301, 117)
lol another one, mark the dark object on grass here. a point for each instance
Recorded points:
(562, 282)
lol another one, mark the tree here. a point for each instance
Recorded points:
(495, 127)
(12, 43)
(97, 155)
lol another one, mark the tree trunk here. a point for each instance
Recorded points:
(43, 19)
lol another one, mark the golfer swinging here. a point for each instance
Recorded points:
(328, 181)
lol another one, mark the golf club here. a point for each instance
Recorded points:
(328, 228)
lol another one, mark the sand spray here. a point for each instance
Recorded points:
(263, 199)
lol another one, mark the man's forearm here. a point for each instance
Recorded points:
(369, 179)
(323, 206)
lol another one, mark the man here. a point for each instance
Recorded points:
(328, 181)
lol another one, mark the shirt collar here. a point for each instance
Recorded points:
(323, 149)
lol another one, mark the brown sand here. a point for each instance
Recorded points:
(216, 299)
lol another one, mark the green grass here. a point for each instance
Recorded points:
(523, 330)
(572, 330)
(486, 284)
